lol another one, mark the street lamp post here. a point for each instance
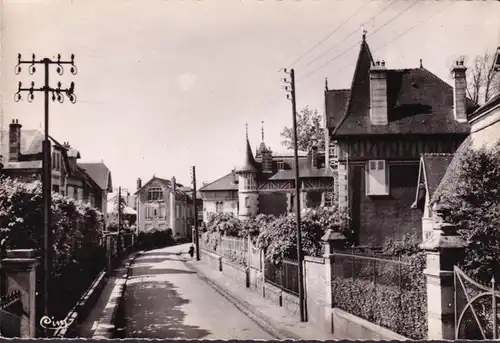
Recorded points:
(57, 94)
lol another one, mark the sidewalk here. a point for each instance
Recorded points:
(274, 319)
(88, 327)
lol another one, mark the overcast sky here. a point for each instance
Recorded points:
(166, 84)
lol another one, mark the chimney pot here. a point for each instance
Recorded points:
(383, 63)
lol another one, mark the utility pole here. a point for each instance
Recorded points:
(57, 94)
(196, 234)
(120, 219)
(291, 96)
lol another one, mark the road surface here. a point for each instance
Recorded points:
(165, 299)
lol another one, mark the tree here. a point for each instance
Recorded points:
(114, 216)
(474, 207)
(309, 131)
(483, 81)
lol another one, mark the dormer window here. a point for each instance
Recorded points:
(155, 194)
(281, 165)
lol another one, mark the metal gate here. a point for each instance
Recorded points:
(11, 312)
(477, 308)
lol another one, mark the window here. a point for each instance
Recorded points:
(377, 178)
(281, 165)
(247, 202)
(148, 213)
(163, 212)
(219, 207)
(333, 150)
(155, 194)
(155, 212)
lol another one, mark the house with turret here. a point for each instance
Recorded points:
(265, 183)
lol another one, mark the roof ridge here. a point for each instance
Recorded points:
(437, 154)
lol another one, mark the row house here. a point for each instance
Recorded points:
(162, 205)
(379, 128)
(22, 158)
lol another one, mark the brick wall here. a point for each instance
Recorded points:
(386, 216)
(314, 277)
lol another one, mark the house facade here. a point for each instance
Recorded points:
(378, 130)
(22, 159)
(265, 184)
(162, 205)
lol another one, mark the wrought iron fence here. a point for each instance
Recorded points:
(284, 275)
(477, 308)
(386, 291)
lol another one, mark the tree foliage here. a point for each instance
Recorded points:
(474, 206)
(127, 220)
(76, 228)
(309, 131)
(483, 81)
(279, 237)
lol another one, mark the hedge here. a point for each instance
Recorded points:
(76, 232)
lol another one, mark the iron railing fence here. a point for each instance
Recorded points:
(284, 275)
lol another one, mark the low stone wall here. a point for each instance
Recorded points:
(281, 298)
(347, 325)
(213, 260)
(81, 310)
(256, 279)
(233, 271)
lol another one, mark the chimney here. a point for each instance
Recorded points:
(14, 141)
(378, 94)
(314, 156)
(459, 92)
(139, 183)
(267, 161)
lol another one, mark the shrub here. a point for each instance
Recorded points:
(76, 233)
(473, 205)
(224, 223)
(395, 296)
(155, 239)
(279, 236)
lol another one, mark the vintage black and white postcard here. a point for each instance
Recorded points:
(250, 169)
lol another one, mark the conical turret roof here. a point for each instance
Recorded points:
(248, 161)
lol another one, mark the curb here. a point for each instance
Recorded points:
(106, 327)
(263, 321)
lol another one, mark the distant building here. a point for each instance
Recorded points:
(379, 129)
(162, 204)
(22, 159)
(266, 184)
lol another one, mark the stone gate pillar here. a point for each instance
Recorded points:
(444, 249)
(333, 241)
(19, 269)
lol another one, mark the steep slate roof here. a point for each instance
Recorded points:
(335, 105)
(418, 102)
(432, 169)
(225, 183)
(450, 178)
(99, 173)
(248, 161)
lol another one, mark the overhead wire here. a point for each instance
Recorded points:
(350, 34)
(331, 33)
(448, 4)
(352, 46)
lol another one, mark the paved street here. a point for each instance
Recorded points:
(165, 299)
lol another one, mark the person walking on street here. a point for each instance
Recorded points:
(191, 251)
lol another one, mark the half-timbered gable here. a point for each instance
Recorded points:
(391, 118)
